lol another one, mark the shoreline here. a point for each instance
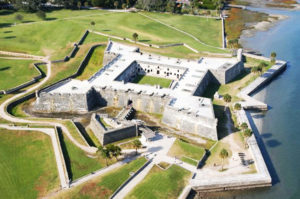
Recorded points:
(262, 26)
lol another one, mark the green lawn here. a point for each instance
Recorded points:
(207, 30)
(56, 37)
(214, 157)
(78, 163)
(15, 72)
(27, 167)
(181, 148)
(94, 64)
(150, 80)
(74, 132)
(105, 185)
(161, 183)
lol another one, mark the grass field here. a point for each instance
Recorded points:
(78, 163)
(10, 69)
(149, 80)
(105, 185)
(181, 148)
(27, 167)
(161, 183)
(56, 36)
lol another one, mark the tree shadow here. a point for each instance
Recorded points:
(273, 143)
(28, 21)
(50, 18)
(9, 37)
(144, 40)
(9, 31)
(106, 30)
(5, 68)
(6, 12)
(4, 25)
(266, 135)
(65, 152)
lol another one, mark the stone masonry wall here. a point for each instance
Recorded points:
(200, 125)
(141, 102)
(109, 136)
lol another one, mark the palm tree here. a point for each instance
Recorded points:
(237, 106)
(247, 134)
(273, 57)
(135, 36)
(223, 154)
(137, 144)
(244, 126)
(116, 4)
(104, 152)
(227, 99)
(93, 25)
(114, 150)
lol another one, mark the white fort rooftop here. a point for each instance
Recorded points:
(181, 89)
(180, 103)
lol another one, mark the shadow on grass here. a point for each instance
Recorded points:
(65, 152)
(144, 40)
(106, 30)
(50, 18)
(5, 68)
(3, 25)
(84, 133)
(9, 31)
(9, 37)
(6, 12)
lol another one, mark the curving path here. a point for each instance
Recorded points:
(5, 115)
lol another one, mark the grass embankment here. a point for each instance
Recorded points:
(186, 152)
(16, 72)
(78, 162)
(149, 80)
(103, 186)
(238, 20)
(27, 168)
(74, 132)
(95, 63)
(93, 138)
(161, 183)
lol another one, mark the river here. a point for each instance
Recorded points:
(280, 126)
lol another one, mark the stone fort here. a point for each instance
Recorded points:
(180, 104)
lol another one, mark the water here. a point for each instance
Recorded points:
(280, 127)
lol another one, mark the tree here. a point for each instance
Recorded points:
(244, 126)
(273, 56)
(41, 14)
(135, 36)
(227, 99)
(104, 152)
(124, 5)
(79, 5)
(237, 106)
(86, 4)
(116, 4)
(114, 150)
(137, 144)
(247, 134)
(223, 154)
(19, 17)
(93, 25)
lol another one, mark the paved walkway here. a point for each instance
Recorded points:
(60, 162)
(5, 115)
(157, 150)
